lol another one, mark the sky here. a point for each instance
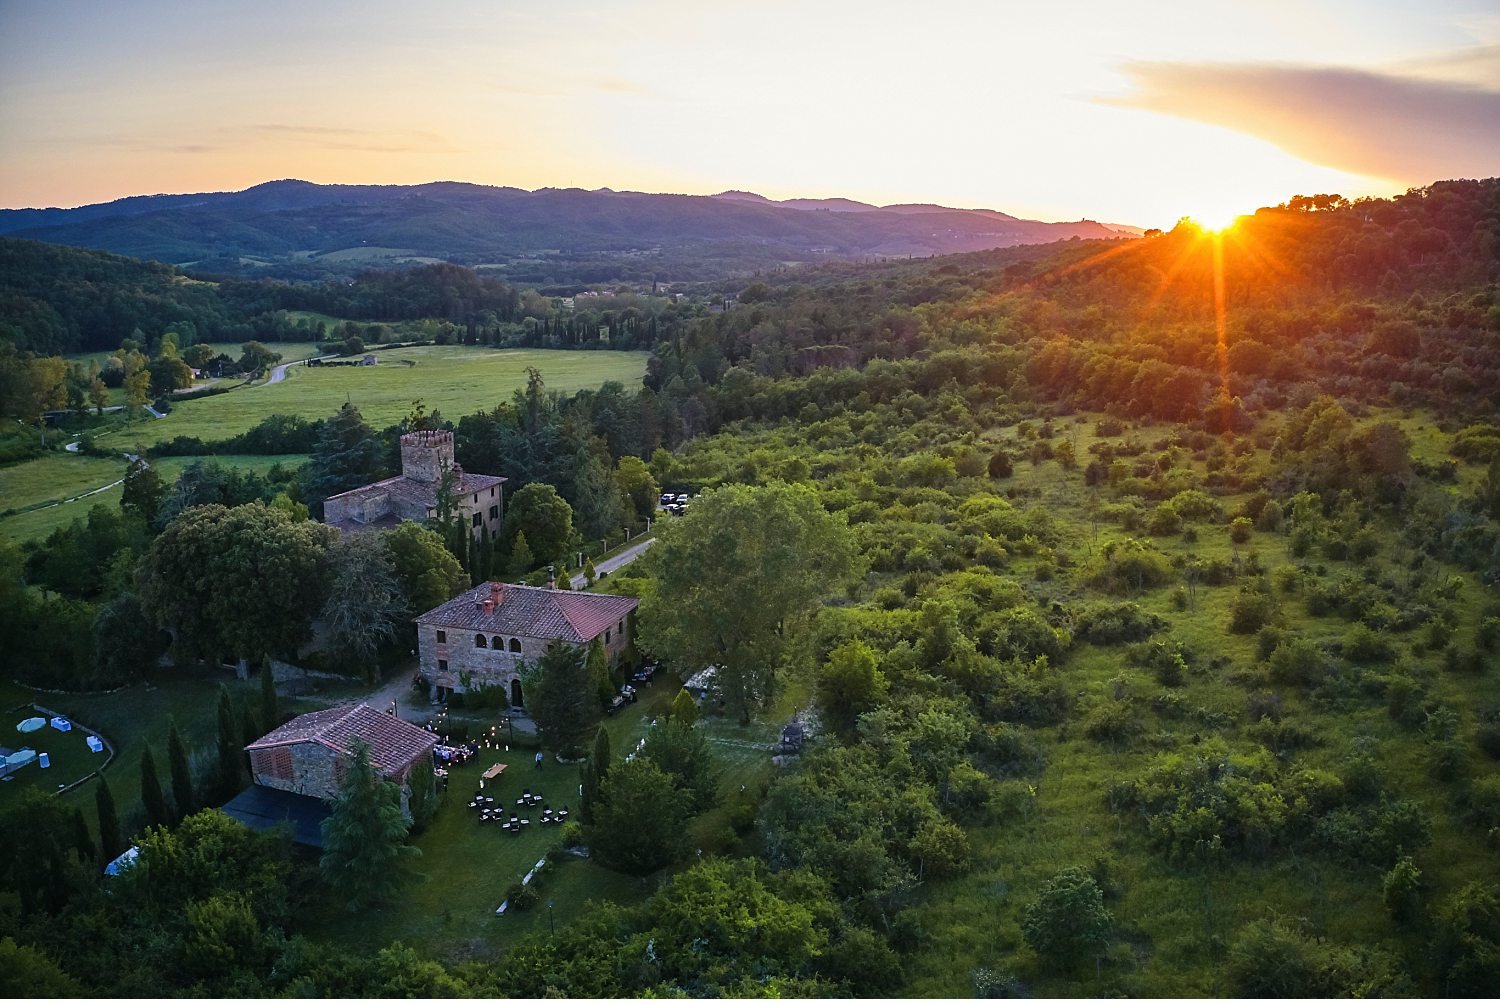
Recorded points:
(1112, 110)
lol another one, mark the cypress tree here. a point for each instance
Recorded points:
(182, 776)
(474, 562)
(270, 715)
(364, 836)
(598, 666)
(521, 558)
(594, 771)
(228, 777)
(83, 842)
(110, 844)
(151, 793)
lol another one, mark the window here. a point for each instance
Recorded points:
(479, 641)
(492, 493)
(478, 518)
(515, 644)
(442, 636)
(622, 627)
(476, 498)
(494, 512)
(606, 636)
(442, 665)
(497, 643)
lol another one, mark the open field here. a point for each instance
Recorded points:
(456, 380)
(65, 475)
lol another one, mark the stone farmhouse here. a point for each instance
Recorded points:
(309, 755)
(412, 494)
(480, 638)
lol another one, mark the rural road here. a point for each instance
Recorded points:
(278, 373)
(620, 560)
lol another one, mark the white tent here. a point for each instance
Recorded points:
(20, 758)
(31, 725)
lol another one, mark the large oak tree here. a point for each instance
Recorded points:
(244, 581)
(735, 575)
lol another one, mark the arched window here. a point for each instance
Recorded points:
(497, 643)
(479, 641)
(515, 644)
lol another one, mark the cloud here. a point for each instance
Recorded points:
(1402, 128)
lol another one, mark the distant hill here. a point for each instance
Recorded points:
(297, 221)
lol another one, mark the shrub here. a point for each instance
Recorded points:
(1296, 661)
(1113, 623)
(1067, 921)
(1251, 610)
(1240, 530)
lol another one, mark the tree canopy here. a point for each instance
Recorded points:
(735, 575)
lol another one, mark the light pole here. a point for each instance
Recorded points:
(551, 927)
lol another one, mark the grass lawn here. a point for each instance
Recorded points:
(456, 380)
(71, 759)
(131, 720)
(448, 907)
(66, 475)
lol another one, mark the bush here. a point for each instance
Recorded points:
(1251, 610)
(1296, 661)
(1114, 623)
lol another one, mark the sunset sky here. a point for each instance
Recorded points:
(1116, 111)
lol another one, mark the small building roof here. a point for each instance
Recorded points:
(262, 808)
(532, 612)
(394, 744)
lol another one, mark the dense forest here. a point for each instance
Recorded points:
(1151, 639)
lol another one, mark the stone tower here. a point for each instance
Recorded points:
(424, 455)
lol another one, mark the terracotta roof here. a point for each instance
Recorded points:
(421, 493)
(532, 612)
(394, 744)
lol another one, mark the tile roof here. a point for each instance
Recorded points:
(421, 493)
(533, 612)
(394, 744)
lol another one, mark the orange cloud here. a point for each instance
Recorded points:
(1382, 125)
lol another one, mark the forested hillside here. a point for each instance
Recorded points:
(1149, 631)
(291, 222)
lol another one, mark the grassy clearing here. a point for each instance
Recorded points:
(70, 758)
(448, 907)
(65, 475)
(137, 717)
(456, 380)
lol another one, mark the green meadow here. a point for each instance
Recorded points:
(455, 380)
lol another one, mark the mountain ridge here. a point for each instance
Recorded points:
(291, 219)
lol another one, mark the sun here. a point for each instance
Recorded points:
(1216, 220)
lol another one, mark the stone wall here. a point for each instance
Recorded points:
(425, 455)
(471, 667)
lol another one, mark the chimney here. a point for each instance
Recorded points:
(489, 606)
(497, 594)
(551, 576)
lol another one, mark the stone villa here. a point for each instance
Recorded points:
(412, 494)
(480, 638)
